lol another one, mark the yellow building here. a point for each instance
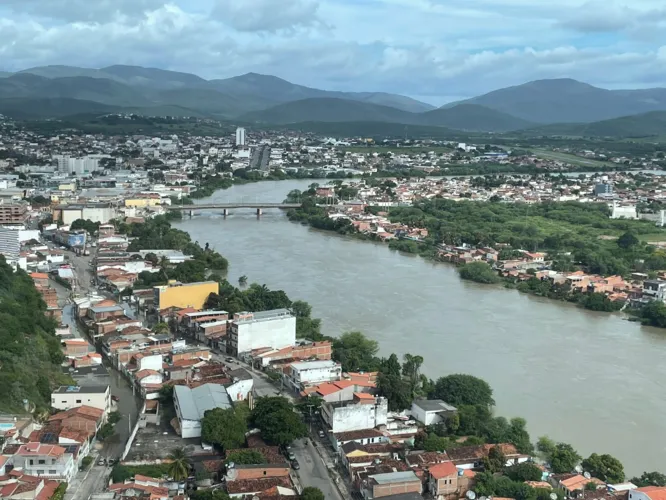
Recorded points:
(184, 294)
(142, 202)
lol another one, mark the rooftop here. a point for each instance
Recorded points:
(314, 365)
(193, 403)
(433, 405)
(395, 477)
(263, 316)
(75, 389)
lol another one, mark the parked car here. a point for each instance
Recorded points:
(229, 360)
(295, 465)
(101, 461)
(291, 455)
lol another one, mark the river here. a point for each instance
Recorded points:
(590, 379)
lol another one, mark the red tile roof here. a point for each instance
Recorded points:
(39, 449)
(444, 469)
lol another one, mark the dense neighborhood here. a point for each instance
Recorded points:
(165, 381)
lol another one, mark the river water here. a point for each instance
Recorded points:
(591, 379)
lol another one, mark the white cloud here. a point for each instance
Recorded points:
(416, 47)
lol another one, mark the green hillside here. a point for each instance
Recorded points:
(33, 109)
(30, 353)
(651, 124)
(475, 118)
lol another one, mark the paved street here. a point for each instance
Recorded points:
(88, 482)
(313, 471)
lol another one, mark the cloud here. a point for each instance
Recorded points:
(414, 47)
(267, 15)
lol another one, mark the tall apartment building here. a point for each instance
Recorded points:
(13, 213)
(240, 137)
(271, 329)
(78, 166)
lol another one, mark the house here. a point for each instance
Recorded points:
(19, 486)
(648, 493)
(471, 457)
(241, 384)
(443, 481)
(306, 373)
(654, 290)
(81, 419)
(274, 329)
(71, 396)
(431, 411)
(192, 404)
(45, 461)
(391, 483)
(358, 414)
(363, 437)
(574, 484)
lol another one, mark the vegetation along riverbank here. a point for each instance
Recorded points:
(568, 251)
(400, 380)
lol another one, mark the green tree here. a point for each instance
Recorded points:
(563, 458)
(356, 352)
(545, 446)
(210, 494)
(461, 389)
(312, 493)
(411, 370)
(280, 425)
(527, 471)
(160, 328)
(225, 428)
(518, 436)
(604, 467)
(479, 272)
(650, 479)
(245, 456)
(495, 460)
(179, 465)
(627, 241)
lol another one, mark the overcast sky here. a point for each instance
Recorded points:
(437, 50)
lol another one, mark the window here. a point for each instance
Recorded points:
(32, 462)
(53, 472)
(41, 462)
(78, 401)
(64, 402)
(40, 472)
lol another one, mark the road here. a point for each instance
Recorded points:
(94, 480)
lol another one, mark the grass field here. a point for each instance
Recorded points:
(570, 158)
(652, 237)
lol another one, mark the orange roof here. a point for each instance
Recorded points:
(363, 395)
(39, 276)
(39, 449)
(326, 389)
(145, 373)
(654, 492)
(444, 469)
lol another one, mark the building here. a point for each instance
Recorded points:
(72, 396)
(654, 289)
(78, 166)
(184, 295)
(391, 483)
(648, 493)
(443, 481)
(268, 329)
(96, 212)
(46, 461)
(306, 373)
(240, 137)
(192, 404)
(363, 412)
(603, 189)
(431, 411)
(10, 246)
(13, 213)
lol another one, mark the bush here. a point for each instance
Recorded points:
(479, 272)
(120, 473)
(86, 462)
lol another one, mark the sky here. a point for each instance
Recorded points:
(435, 50)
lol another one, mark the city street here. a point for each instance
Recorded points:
(86, 483)
(313, 471)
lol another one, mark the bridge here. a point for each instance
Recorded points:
(225, 207)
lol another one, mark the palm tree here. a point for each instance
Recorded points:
(179, 467)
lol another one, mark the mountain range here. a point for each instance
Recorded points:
(542, 107)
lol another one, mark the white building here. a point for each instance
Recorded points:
(307, 373)
(240, 137)
(46, 461)
(241, 386)
(364, 412)
(73, 396)
(78, 166)
(431, 411)
(192, 404)
(274, 329)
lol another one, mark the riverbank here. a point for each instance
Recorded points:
(522, 343)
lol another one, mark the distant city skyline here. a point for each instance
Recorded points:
(433, 50)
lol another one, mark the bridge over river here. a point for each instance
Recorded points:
(225, 207)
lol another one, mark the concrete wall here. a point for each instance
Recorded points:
(192, 295)
(276, 333)
(355, 417)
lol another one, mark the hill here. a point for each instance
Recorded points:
(567, 101)
(650, 124)
(326, 109)
(377, 130)
(475, 118)
(31, 109)
(30, 353)
(278, 90)
(468, 117)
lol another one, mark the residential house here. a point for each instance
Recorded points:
(471, 457)
(307, 373)
(45, 461)
(648, 493)
(391, 483)
(19, 486)
(443, 481)
(431, 411)
(358, 414)
(191, 404)
(71, 396)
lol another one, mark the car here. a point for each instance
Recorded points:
(112, 461)
(229, 360)
(291, 455)
(295, 465)
(100, 461)
(321, 434)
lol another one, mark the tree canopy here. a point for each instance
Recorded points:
(604, 467)
(356, 352)
(563, 458)
(224, 428)
(312, 493)
(462, 389)
(280, 425)
(479, 272)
